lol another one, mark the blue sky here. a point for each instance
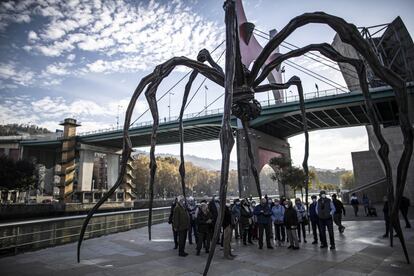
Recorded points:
(83, 59)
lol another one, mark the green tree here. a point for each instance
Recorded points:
(19, 175)
(294, 177)
(279, 164)
(347, 181)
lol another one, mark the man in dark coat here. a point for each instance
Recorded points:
(339, 209)
(214, 207)
(204, 221)
(291, 223)
(170, 221)
(325, 210)
(314, 219)
(181, 223)
(264, 220)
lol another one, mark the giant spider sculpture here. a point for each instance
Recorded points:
(240, 86)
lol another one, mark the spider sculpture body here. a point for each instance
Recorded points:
(240, 86)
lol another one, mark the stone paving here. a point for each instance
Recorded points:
(360, 251)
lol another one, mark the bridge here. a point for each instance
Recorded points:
(325, 109)
(336, 108)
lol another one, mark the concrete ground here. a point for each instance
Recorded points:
(360, 251)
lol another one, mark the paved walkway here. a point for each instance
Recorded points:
(360, 251)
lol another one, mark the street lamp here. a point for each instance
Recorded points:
(283, 80)
(205, 98)
(117, 116)
(169, 105)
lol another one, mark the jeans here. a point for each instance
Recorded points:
(315, 229)
(355, 206)
(264, 228)
(247, 234)
(326, 223)
(302, 227)
(279, 232)
(191, 230)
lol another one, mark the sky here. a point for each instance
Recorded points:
(83, 59)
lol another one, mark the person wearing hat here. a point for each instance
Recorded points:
(181, 223)
(325, 210)
(339, 209)
(314, 220)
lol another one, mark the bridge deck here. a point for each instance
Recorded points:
(360, 251)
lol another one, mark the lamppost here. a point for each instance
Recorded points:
(205, 98)
(117, 116)
(169, 105)
(283, 80)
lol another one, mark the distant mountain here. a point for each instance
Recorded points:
(329, 176)
(205, 163)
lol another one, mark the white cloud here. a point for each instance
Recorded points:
(10, 72)
(128, 36)
(49, 111)
(32, 36)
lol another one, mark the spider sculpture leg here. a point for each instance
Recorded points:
(297, 82)
(251, 157)
(203, 56)
(328, 51)
(207, 71)
(350, 34)
(226, 133)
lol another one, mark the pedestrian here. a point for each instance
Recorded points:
(246, 221)
(170, 221)
(181, 223)
(278, 212)
(214, 207)
(291, 223)
(192, 208)
(325, 210)
(314, 219)
(385, 209)
(365, 202)
(204, 221)
(263, 214)
(302, 218)
(339, 209)
(404, 206)
(354, 203)
(235, 211)
(255, 226)
(228, 230)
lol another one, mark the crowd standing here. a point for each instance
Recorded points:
(280, 222)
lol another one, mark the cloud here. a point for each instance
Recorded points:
(10, 73)
(107, 36)
(49, 111)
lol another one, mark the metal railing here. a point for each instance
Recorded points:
(209, 112)
(41, 233)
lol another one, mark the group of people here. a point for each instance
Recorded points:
(280, 219)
